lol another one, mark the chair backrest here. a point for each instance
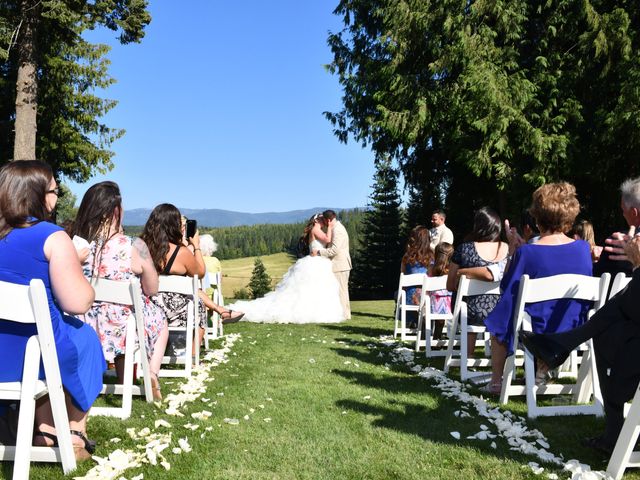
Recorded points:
(569, 285)
(178, 284)
(471, 287)
(116, 291)
(619, 282)
(411, 280)
(431, 284)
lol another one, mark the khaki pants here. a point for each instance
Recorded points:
(343, 281)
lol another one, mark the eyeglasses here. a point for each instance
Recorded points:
(55, 191)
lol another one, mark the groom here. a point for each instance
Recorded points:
(338, 252)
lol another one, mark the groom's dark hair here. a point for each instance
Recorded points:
(329, 214)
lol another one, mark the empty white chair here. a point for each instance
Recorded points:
(466, 288)
(425, 317)
(129, 294)
(28, 304)
(402, 307)
(189, 287)
(571, 286)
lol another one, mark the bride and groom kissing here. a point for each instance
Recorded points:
(315, 288)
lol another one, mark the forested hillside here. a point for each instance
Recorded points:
(256, 240)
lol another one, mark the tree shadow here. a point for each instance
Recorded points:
(373, 315)
(358, 330)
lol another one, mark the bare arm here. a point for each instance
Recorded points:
(72, 291)
(142, 264)
(191, 263)
(320, 235)
(477, 273)
(452, 279)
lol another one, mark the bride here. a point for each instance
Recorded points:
(308, 292)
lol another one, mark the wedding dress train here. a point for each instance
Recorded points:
(308, 293)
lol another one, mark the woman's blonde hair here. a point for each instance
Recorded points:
(584, 230)
(555, 207)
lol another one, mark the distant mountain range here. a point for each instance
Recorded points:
(228, 218)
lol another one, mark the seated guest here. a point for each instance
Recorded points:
(583, 230)
(417, 258)
(32, 247)
(440, 299)
(211, 263)
(115, 256)
(482, 252)
(163, 234)
(555, 207)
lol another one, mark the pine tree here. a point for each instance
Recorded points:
(377, 261)
(260, 282)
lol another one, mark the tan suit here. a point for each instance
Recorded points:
(338, 252)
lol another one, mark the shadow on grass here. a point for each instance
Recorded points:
(358, 330)
(373, 315)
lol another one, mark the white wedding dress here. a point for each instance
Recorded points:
(308, 293)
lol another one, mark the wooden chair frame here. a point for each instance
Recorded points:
(29, 304)
(129, 294)
(579, 287)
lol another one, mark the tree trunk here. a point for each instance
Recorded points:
(27, 85)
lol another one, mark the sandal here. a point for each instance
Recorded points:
(80, 452)
(228, 317)
(492, 388)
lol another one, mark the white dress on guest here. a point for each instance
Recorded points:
(308, 293)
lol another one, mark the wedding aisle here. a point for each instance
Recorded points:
(328, 402)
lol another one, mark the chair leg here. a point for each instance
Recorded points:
(22, 459)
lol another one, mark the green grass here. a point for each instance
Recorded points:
(237, 272)
(313, 382)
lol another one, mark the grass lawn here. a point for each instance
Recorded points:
(237, 272)
(325, 402)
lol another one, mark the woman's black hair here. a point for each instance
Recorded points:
(487, 226)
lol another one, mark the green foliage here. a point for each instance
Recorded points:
(481, 102)
(66, 210)
(376, 262)
(241, 294)
(71, 136)
(260, 282)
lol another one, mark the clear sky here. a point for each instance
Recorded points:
(222, 105)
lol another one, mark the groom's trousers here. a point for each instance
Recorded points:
(343, 282)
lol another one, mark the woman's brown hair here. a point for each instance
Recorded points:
(23, 191)
(555, 207)
(418, 248)
(163, 227)
(441, 260)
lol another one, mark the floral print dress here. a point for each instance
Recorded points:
(109, 320)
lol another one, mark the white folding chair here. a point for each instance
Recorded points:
(619, 282)
(189, 287)
(28, 304)
(402, 307)
(214, 280)
(425, 317)
(467, 288)
(571, 286)
(624, 454)
(128, 294)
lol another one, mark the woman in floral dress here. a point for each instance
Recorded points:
(115, 256)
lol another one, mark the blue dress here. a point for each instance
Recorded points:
(79, 352)
(540, 261)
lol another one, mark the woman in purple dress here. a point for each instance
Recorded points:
(555, 207)
(31, 247)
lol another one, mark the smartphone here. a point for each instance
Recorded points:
(192, 226)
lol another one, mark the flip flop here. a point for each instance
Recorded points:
(230, 318)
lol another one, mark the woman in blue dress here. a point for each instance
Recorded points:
(31, 247)
(554, 207)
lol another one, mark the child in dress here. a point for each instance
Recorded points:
(440, 299)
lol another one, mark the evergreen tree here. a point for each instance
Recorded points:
(260, 282)
(377, 261)
(48, 73)
(481, 102)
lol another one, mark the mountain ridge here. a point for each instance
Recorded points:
(213, 217)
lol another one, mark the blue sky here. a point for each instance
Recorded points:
(222, 103)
